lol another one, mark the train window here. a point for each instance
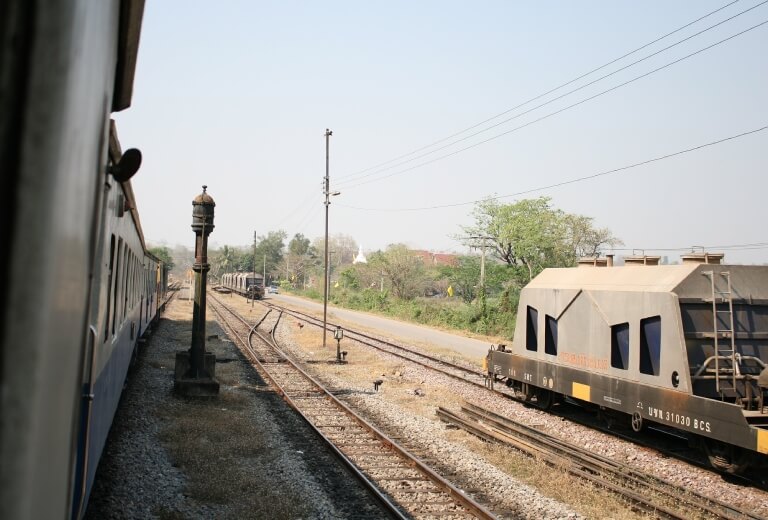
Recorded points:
(117, 284)
(650, 345)
(550, 335)
(125, 281)
(132, 290)
(620, 346)
(532, 329)
(109, 285)
(129, 283)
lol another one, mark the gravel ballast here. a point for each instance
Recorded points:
(244, 454)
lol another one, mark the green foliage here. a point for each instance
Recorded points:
(451, 313)
(350, 278)
(402, 269)
(163, 254)
(224, 260)
(268, 251)
(464, 278)
(300, 260)
(530, 235)
(299, 245)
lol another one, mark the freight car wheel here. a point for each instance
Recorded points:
(726, 457)
(544, 398)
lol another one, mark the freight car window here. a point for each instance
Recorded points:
(650, 345)
(532, 329)
(620, 346)
(550, 335)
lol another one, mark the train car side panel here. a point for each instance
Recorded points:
(62, 130)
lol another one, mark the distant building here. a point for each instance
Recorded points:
(430, 258)
(360, 258)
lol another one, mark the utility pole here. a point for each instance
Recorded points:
(482, 267)
(327, 192)
(253, 296)
(481, 294)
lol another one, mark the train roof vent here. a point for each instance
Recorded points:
(703, 258)
(642, 260)
(593, 261)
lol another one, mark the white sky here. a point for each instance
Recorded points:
(237, 95)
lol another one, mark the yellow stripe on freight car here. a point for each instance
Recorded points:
(581, 391)
(762, 441)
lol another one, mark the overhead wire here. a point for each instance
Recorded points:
(358, 179)
(731, 247)
(572, 181)
(559, 111)
(535, 98)
(300, 206)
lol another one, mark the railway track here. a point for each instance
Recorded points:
(477, 378)
(403, 484)
(644, 492)
(173, 290)
(450, 369)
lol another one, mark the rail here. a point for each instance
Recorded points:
(645, 492)
(402, 483)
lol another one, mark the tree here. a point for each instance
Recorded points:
(342, 249)
(586, 240)
(530, 235)
(299, 245)
(464, 278)
(163, 254)
(300, 259)
(269, 249)
(224, 261)
(402, 268)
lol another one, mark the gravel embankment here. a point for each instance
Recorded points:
(507, 497)
(245, 454)
(406, 384)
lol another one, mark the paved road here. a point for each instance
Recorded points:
(407, 332)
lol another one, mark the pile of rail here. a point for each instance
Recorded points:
(403, 484)
(643, 491)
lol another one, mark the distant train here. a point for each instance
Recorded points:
(69, 223)
(250, 285)
(684, 346)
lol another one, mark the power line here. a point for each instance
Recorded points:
(543, 94)
(561, 96)
(547, 116)
(732, 247)
(572, 181)
(303, 204)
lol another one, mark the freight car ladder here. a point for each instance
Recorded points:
(726, 357)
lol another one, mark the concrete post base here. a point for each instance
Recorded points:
(205, 386)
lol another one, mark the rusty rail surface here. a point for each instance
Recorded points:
(402, 483)
(645, 492)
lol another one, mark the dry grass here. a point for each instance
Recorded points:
(218, 443)
(205, 436)
(554, 482)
